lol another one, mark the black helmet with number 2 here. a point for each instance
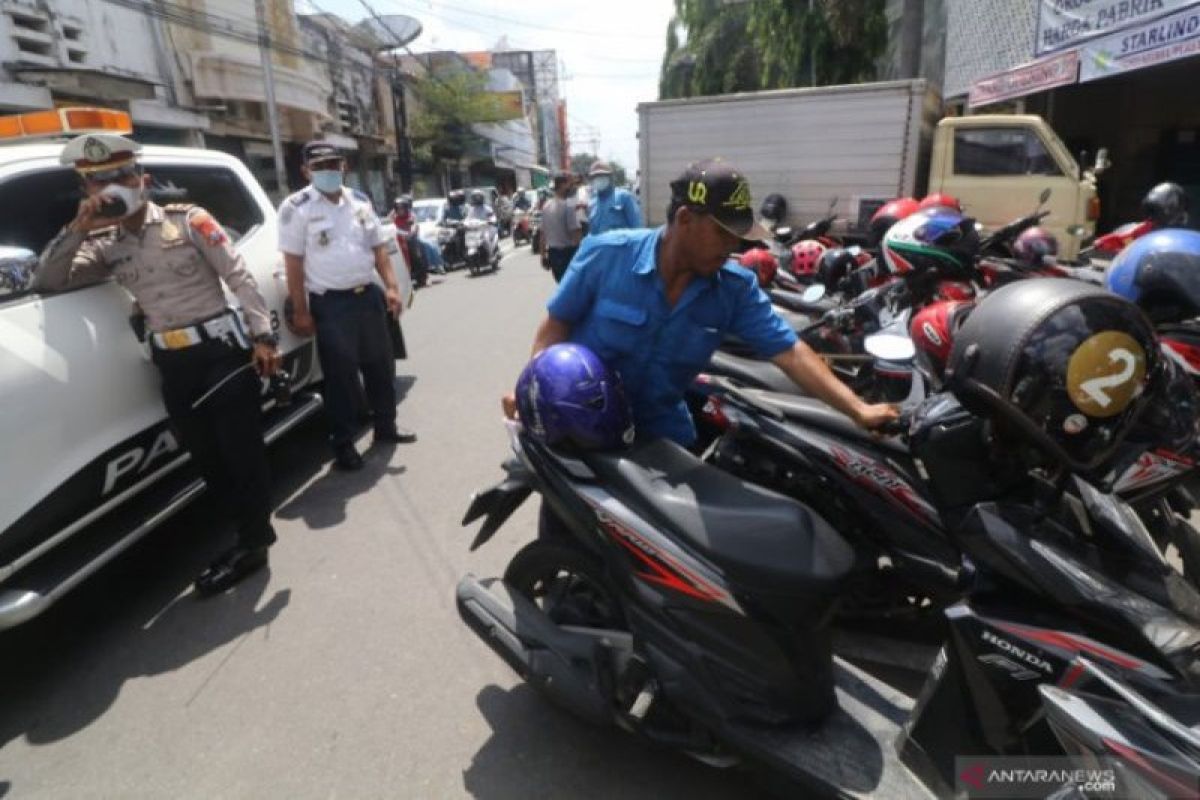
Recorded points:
(1068, 364)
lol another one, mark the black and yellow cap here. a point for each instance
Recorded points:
(718, 189)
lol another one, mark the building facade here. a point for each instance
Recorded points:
(1106, 74)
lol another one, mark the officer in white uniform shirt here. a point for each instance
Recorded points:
(342, 287)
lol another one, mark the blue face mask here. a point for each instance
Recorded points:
(601, 184)
(327, 180)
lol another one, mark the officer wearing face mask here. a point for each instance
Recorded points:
(173, 260)
(609, 208)
(342, 287)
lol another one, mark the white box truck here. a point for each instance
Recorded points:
(865, 144)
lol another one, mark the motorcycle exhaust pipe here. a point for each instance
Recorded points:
(541, 652)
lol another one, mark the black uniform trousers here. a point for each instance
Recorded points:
(224, 434)
(560, 259)
(353, 338)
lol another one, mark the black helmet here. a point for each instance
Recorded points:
(477, 198)
(1166, 205)
(1059, 363)
(457, 197)
(774, 209)
(835, 264)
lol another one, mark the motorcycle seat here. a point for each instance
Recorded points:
(809, 411)
(751, 372)
(756, 537)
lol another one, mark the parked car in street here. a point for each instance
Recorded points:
(89, 464)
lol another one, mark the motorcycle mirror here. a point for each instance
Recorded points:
(16, 269)
(832, 204)
(783, 233)
(890, 347)
(1102, 162)
(1044, 196)
(814, 293)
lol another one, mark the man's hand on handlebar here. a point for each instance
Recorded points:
(880, 417)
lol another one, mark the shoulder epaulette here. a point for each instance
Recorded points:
(299, 198)
(359, 196)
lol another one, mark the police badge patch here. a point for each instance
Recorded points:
(95, 150)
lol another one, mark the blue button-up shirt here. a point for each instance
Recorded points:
(613, 210)
(615, 302)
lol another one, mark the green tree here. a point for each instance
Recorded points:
(716, 47)
(441, 127)
(582, 162)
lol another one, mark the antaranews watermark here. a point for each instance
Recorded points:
(1020, 777)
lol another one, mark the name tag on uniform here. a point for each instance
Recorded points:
(177, 339)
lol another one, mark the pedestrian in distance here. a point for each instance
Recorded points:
(561, 230)
(342, 287)
(173, 260)
(610, 207)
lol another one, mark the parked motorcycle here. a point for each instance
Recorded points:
(482, 247)
(693, 610)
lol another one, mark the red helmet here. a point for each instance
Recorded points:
(761, 263)
(1034, 246)
(942, 200)
(806, 256)
(888, 215)
(933, 328)
(955, 290)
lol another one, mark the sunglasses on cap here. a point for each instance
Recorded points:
(113, 175)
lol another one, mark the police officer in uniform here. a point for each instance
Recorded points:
(336, 254)
(173, 261)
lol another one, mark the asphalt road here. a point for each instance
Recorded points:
(344, 672)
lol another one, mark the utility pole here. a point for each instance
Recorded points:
(264, 44)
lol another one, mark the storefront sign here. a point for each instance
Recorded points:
(1033, 77)
(1165, 39)
(1068, 23)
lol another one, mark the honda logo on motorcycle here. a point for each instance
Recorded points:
(1016, 652)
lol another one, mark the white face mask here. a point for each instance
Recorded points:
(600, 184)
(133, 198)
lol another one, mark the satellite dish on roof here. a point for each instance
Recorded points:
(392, 30)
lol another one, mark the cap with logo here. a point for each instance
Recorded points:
(716, 188)
(320, 151)
(98, 152)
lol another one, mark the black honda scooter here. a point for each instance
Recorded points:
(687, 607)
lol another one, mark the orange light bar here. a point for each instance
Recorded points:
(64, 121)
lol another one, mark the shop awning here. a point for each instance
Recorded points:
(224, 77)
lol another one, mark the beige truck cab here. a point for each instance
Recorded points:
(998, 165)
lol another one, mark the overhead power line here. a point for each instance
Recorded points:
(470, 12)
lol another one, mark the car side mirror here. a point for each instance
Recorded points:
(1102, 163)
(17, 265)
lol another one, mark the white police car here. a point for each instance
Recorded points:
(89, 464)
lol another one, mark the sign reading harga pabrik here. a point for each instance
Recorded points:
(1064, 24)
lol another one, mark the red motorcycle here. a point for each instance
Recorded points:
(1164, 206)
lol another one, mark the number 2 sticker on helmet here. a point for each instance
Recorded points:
(1105, 373)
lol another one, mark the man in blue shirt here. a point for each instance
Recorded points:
(655, 304)
(609, 208)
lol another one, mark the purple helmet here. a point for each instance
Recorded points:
(566, 396)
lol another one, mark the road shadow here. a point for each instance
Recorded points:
(537, 750)
(139, 618)
(322, 504)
